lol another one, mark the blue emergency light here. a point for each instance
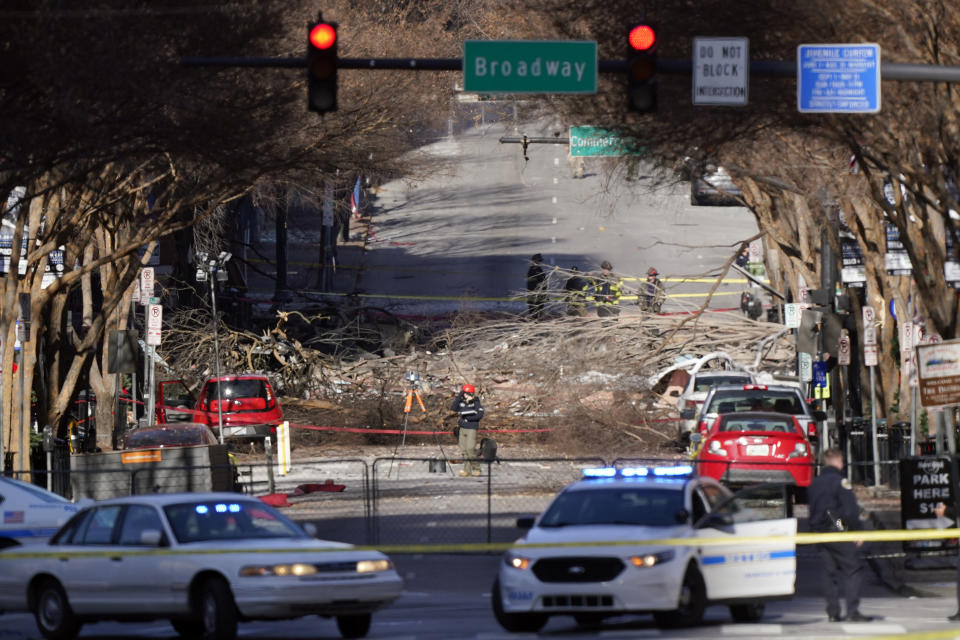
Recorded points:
(638, 472)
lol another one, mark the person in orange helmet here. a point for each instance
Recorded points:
(468, 407)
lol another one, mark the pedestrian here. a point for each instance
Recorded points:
(468, 407)
(606, 291)
(652, 294)
(575, 293)
(947, 520)
(536, 285)
(743, 258)
(833, 507)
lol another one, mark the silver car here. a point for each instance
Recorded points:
(203, 561)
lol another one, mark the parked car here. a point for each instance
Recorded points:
(203, 561)
(759, 397)
(696, 392)
(175, 434)
(752, 447)
(250, 407)
(575, 559)
(30, 513)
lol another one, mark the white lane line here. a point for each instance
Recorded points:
(632, 633)
(742, 630)
(872, 628)
(554, 199)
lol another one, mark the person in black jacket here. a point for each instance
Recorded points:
(468, 407)
(947, 519)
(833, 507)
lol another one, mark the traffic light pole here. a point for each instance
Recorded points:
(668, 66)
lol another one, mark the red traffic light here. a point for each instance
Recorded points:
(642, 37)
(323, 36)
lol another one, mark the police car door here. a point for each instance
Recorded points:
(735, 560)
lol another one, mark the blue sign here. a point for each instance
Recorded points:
(838, 78)
(819, 374)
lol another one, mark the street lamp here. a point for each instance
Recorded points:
(208, 268)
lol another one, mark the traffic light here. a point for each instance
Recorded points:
(642, 69)
(322, 67)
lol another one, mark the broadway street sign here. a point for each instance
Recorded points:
(529, 66)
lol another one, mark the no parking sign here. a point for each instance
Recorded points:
(843, 350)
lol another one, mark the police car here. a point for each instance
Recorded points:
(657, 540)
(29, 513)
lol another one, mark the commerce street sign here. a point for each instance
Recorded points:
(596, 141)
(529, 66)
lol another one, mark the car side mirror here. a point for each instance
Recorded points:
(715, 521)
(688, 414)
(311, 529)
(151, 537)
(525, 522)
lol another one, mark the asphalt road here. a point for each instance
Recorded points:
(448, 597)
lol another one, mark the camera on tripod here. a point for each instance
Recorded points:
(413, 378)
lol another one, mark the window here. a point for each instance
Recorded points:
(137, 519)
(197, 521)
(69, 531)
(99, 526)
(762, 502)
(632, 506)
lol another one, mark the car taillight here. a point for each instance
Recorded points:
(754, 387)
(702, 427)
(273, 430)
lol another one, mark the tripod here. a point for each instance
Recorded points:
(407, 406)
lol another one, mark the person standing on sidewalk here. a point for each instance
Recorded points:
(468, 407)
(833, 507)
(946, 521)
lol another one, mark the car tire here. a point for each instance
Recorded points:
(515, 622)
(355, 626)
(217, 613)
(747, 612)
(690, 605)
(55, 618)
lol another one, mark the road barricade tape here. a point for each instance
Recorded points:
(408, 431)
(481, 547)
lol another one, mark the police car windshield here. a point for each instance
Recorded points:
(640, 506)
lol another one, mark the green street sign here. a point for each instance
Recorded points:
(529, 66)
(594, 141)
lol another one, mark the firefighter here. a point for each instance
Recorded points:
(606, 291)
(536, 286)
(575, 293)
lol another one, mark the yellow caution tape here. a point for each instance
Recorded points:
(798, 539)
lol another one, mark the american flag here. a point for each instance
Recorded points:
(13, 517)
(355, 200)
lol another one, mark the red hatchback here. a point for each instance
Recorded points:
(754, 447)
(249, 409)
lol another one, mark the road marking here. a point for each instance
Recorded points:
(740, 630)
(874, 628)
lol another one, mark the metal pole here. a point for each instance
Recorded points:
(23, 393)
(268, 450)
(951, 436)
(914, 417)
(873, 427)
(216, 351)
(147, 398)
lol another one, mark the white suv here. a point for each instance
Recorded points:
(654, 540)
(696, 391)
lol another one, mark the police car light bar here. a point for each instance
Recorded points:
(637, 472)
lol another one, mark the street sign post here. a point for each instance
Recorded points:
(838, 78)
(596, 141)
(806, 367)
(843, 351)
(154, 323)
(529, 66)
(870, 355)
(721, 71)
(938, 370)
(146, 285)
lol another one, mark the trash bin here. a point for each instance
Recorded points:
(859, 450)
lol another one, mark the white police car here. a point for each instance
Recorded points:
(654, 540)
(29, 513)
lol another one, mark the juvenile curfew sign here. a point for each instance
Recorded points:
(529, 66)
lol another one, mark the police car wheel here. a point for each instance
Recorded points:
(747, 612)
(515, 622)
(690, 604)
(54, 616)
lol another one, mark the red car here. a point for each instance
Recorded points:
(754, 447)
(249, 409)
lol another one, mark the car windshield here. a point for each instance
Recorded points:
(642, 506)
(228, 520)
(166, 438)
(756, 400)
(742, 423)
(34, 491)
(237, 389)
(704, 384)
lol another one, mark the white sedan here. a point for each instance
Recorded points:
(613, 543)
(30, 514)
(204, 561)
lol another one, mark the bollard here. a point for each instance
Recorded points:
(268, 449)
